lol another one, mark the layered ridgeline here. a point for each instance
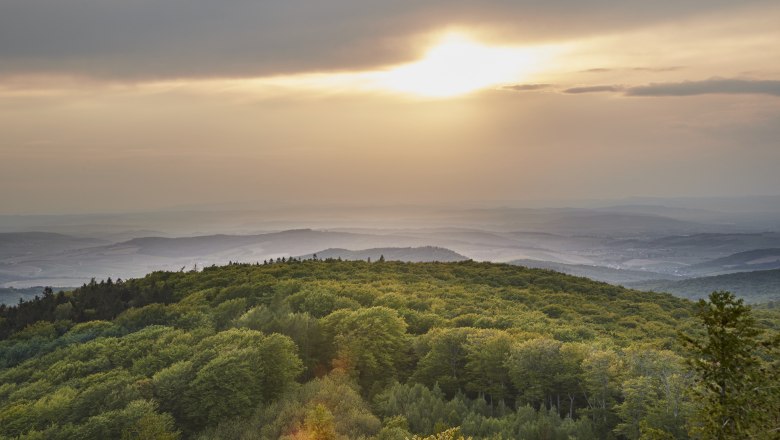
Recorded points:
(420, 254)
(761, 286)
(347, 349)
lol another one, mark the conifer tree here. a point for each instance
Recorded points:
(738, 391)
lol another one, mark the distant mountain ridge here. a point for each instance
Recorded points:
(407, 254)
(746, 241)
(756, 259)
(19, 244)
(71, 264)
(51, 259)
(598, 273)
(756, 287)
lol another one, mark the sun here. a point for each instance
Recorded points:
(458, 65)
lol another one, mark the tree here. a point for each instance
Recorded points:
(535, 367)
(486, 353)
(368, 342)
(655, 391)
(152, 426)
(225, 387)
(737, 392)
(638, 397)
(170, 384)
(319, 423)
(449, 434)
(443, 359)
(601, 371)
(227, 311)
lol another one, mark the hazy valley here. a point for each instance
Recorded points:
(648, 246)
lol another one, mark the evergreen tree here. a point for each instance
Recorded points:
(737, 392)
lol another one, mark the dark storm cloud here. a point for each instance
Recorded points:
(141, 39)
(528, 87)
(593, 89)
(708, 86)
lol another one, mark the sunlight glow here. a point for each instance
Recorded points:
(458, 65)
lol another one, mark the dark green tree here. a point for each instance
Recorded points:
(738, 390)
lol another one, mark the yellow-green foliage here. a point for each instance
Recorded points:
(331, 349)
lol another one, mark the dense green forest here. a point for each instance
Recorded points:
(385, 350)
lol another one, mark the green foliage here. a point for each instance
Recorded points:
(486, 354)
(226, 374)
(368, 342)
(297, 350)
(422, 408)
(443, 359)
(535, 367)
(601, 370)
(395, 428)
(428, 412)
(302, 328)
(737, 386)
(450, 434)
(319, 424)
(151, 426)
(222, 388)
(295, 414)
(227, 311)
(655, 388)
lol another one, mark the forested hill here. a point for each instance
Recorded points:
(425, 294)
(346, 349)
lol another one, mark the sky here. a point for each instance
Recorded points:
(122, 105)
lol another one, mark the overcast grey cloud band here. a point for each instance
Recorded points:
(139, 39)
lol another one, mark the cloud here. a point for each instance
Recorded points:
(165, 39)
(708, 86)
(658, 69)
(731, 86)
(636, 69)
(593, 89)
(528, 87)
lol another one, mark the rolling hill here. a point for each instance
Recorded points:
(756, 259)
(755, 287)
